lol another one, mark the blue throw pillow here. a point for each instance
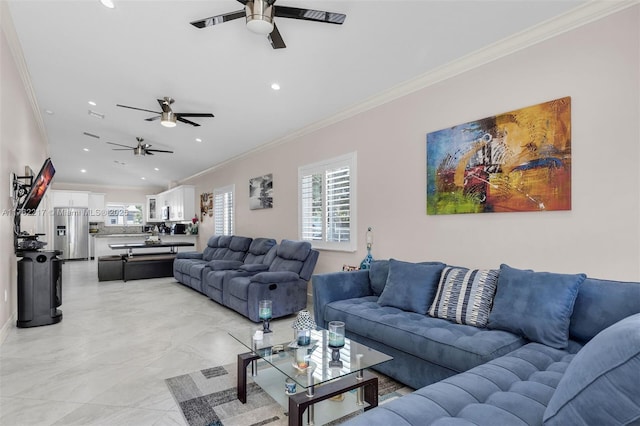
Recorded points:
(601, 386)
(535, 305)
(410, 286)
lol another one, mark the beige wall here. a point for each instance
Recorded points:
(21, 144)
(597, 65)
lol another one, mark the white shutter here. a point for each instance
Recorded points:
(223, 210)
(327, 203)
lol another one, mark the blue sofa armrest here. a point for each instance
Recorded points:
(274, 277)
(334, 286)
(223, 265)
(188, 255)
(254, 267)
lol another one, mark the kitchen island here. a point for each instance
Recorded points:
(102, 242)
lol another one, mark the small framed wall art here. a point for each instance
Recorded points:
(261, 192)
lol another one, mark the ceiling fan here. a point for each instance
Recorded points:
(167, 116)
(260, 13)
(141, 149)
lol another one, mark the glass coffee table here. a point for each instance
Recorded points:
(317, 372)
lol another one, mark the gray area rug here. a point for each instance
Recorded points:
(208, 398)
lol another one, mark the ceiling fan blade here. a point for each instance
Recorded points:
(152, 118)
(119, 144)
(139, 109)
(243, 2)
(147, 152)
(309, 15)
(219, 19)
(194, 114)
(184, 120)
(157, 150)
(276, 39)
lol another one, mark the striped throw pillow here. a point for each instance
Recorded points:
(465, 295)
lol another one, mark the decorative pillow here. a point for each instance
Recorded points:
(535, 305)
(410, 286)
(465, 296)
(602, 383)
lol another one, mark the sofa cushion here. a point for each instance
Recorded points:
(536, 305)
(511, 390)
(294, 250)
(378, 273)
(453, 346)
(410, 286)
(465, 296)
(602, 384)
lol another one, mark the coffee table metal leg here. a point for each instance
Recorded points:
(241, 384)
(300, 402)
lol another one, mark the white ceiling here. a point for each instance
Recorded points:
(80, 51)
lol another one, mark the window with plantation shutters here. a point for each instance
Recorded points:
(223, 210)
(327, 203)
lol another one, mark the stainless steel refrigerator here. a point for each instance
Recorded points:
(71, 232)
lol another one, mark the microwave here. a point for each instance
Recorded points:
(165, 213)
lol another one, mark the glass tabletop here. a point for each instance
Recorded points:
(280, 350)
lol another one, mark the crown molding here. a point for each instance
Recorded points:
(9, 30)
(580, 16)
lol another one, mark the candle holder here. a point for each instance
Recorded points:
(335, 362)
(336, 334)
(265, 313)
(302, 328)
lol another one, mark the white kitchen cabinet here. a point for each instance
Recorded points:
(181, 203)
(96, 207)
(70, 198)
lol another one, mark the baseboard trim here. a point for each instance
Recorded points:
(6, 327)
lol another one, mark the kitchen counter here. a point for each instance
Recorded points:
(103, 240)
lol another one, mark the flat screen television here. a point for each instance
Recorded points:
(38, 188)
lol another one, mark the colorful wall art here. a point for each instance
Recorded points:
(206, 205)
(261, 192)
(519, 161)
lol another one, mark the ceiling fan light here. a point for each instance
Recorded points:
(259, 26)
(168, 119)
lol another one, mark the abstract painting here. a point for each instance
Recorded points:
(519, 161)
(261, 192)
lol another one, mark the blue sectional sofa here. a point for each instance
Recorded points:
(238, 272)
(493, 347)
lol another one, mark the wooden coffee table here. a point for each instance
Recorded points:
(329, 374)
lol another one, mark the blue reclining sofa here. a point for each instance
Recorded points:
(237, 272)
(493, 347)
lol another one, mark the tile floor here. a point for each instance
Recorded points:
(106, 362)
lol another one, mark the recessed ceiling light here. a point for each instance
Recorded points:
(83, 171)
(85, 149)
(143, 178)
(92, 103)
(48, 111)
(275, 86)
(108, 3)
(198, 140)
(156, 169)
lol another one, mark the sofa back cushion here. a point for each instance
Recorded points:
(212, 246)
(223, 247)
(602, 384)
(258, 250)
(465, 296)
(379, 271)
(410, 286)
(290, 256)
(601, 303)
(535, 305)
